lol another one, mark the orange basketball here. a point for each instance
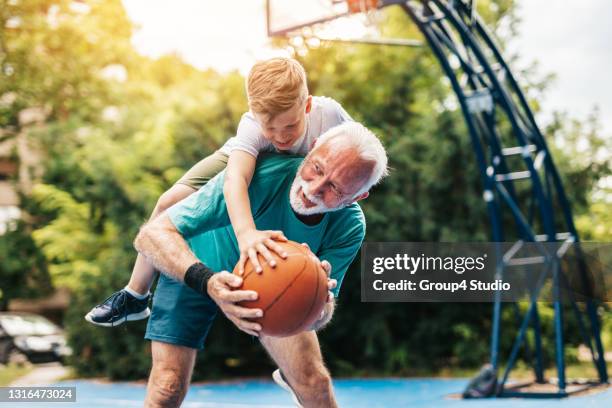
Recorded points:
(292, 294)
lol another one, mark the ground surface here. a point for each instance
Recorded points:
(351, 393)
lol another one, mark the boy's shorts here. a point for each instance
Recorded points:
(204, 170)
(180, 315)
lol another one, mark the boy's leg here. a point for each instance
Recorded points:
(301, 363)
(131, 303)
(143, 273)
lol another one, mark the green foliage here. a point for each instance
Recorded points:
(23, 270)
(121, 128)
(53, 52)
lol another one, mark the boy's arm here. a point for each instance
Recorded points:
(238, 175)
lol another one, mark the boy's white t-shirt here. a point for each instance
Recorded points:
(325, 113)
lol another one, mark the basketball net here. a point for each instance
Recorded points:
(369, 8)
(344, 21)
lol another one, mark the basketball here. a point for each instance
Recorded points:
(292, 294)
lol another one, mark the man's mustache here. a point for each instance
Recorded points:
(306, 191)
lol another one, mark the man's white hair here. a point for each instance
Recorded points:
(353, 135)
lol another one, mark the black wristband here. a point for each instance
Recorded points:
(197, 277)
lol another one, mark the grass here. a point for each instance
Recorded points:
(71, 375)
(575, 370)
(572, 371)
(11, 372)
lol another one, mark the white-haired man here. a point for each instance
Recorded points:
(312, 200)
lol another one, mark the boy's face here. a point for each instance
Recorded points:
(285, 129)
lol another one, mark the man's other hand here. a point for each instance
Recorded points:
(331, 283)
(328, 310)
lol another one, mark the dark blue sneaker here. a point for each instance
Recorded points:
(118, 308)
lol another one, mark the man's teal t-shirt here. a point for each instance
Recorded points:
(203, 220)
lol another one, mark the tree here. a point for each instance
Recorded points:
(120, 128)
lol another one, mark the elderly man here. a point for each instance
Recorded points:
(312, 200)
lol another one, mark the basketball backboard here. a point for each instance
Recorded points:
(285, 17)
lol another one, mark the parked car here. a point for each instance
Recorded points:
(26, 336)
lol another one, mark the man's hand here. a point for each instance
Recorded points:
(222, 289)
(328, 310)
(331, 283)
(251, 242)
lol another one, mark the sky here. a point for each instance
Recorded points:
(571, 39)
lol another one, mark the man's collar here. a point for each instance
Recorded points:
(312, 219)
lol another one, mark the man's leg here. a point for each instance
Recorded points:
(299, 359)
(170, 374)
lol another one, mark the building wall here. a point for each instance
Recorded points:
(19, 166)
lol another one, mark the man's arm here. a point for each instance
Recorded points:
(342, 243)
(330, 305)
(164, 247)
(335, 260)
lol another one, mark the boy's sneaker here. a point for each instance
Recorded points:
(118, 308)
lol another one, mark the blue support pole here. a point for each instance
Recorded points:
(438, 20)
(537, 330)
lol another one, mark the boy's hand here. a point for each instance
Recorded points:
(252, 242)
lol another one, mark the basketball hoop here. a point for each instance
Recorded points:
(342, 21)
(361, 6)
(369, 9)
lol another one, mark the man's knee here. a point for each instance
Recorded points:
(314, 377)
(170, 375)
(167, 387)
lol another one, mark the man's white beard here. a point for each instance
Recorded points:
(298, 205)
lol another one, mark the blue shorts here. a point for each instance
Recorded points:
(180, 315)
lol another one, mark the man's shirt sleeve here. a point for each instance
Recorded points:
(342, 243)
(202, 211)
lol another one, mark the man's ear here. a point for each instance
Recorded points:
(361, 197)
(308, 103)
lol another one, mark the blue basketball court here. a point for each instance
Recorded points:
(350, 393)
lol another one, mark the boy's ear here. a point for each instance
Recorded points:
(308, 103)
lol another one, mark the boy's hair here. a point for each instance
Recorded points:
(275, 86)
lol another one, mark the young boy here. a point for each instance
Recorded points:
(282, 117)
